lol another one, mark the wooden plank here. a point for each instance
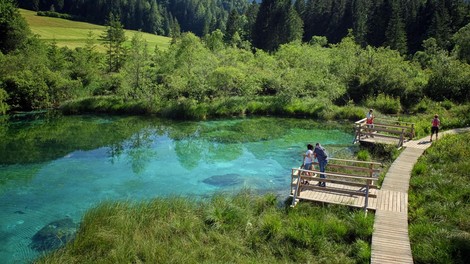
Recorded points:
(357, 161)
(335, 175)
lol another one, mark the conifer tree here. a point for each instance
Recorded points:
(277, 23)
(395, 35)
(232, 26)
(360, 25)
(14, 30)
(250, 16)
(114, 38)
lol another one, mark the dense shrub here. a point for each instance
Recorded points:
(385, 104)
(449, 80)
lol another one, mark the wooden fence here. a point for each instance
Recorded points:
(390, 130)
(350, 177)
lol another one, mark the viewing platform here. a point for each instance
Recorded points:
(349, 182)
(385, 131)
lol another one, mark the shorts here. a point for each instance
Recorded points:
(434, 129)
(307, 166)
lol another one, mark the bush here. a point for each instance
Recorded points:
(385, 104)
(349, 112)
(3, 105)
(363, 155)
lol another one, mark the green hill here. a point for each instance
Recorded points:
(74, 34)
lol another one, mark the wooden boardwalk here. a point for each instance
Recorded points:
(328, 195)
(390, 240)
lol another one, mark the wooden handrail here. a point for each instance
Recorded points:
(345, 178)
(381, 129)
(337, 175)
(357, 161)
(350, 167)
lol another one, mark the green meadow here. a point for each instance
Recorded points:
(74, 34)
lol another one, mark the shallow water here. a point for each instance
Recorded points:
(54, 167)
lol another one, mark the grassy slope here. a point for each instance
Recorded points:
(440, 202)
(74, 34)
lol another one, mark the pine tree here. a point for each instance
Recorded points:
(277, 23)
(14, 30)
(232, 27)
(395, 35)
(360, 25)
(250, 15)
(299, 6)
(114, 38)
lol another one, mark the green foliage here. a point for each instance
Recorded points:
(244, 228)
(110, 105)
(297, 79)
(277, 23)
(438, 204)
(384, 152)
(450, 80)
(137, 72)
(4, 107)
(55, 14)
(462, 43)
(14, 30)
(113, 38)
(349, 112)
(363, 155)
(385, 104)
(383, 71)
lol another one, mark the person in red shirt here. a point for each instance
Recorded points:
(369, 122)
(435, 126)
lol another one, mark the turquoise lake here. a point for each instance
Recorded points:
(54, 167)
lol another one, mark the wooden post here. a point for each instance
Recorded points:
(357, 135)
(366, 202)
(371, 174)
(412, 131)
(297, 188)
(402, 138)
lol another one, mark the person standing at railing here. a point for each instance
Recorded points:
(322, 157)
(435, 123)
(308, 159)
(369, 122)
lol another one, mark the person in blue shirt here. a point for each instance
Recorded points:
(322, 157)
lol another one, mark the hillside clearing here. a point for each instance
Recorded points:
(74, 34)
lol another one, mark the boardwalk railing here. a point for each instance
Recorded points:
(349, 177)
(384, 128)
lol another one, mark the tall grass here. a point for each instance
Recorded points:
(224, 229)
(439, 203)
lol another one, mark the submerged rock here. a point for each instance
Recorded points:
(224, 180)
(54, 235)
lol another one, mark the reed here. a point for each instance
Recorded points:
(243, 228)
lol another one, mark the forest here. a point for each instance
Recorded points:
(400, 24)
(226, 72)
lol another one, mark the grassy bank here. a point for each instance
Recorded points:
(439, 203)
(74, 34)
(451, 115)
(224, 107)
(239, 229)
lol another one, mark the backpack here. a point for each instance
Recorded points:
(323, 154)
